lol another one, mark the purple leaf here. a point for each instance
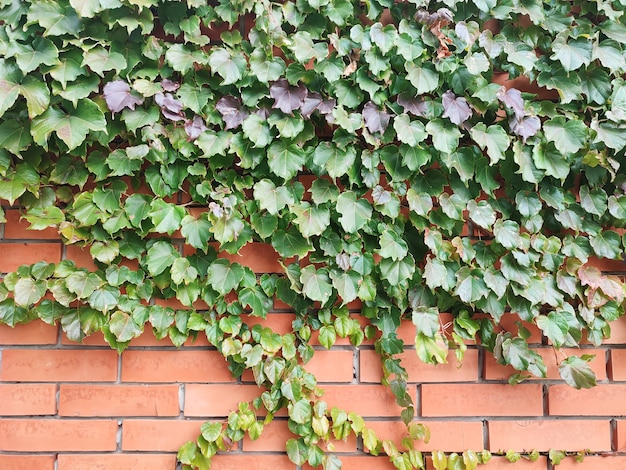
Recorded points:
(455, 109)
(525, 127)
(169, 85)
(512, 99)
(118, 96)
(194, 127)
(170, 106)
(287, 97)
(314, 101)
(232, 112)
(415, 106)
(375, 119)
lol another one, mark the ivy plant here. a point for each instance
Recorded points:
(465, 157)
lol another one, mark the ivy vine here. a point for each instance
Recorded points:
(466, 157)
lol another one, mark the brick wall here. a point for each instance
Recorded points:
(65, 406)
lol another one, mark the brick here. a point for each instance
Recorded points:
(13, 255)
(617, 365)
(27, 365)
(27, 462)
(331, 366)
(27, 399)
(147, 339)
(174, 366)
(366, 400)
(370, 367)
(592, 462)
(81, 257)
(57, 435)
(495, 371)
(602, 400)
(116, 461)
(278, 322)
(160, 435)
(449, 436)
(543, 435)
(481, 400)
(217, 400)
(618, 332)
(35, 332)
(118, 400)
(256, 462)
(260, 257)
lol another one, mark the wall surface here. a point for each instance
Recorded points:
(65, 406)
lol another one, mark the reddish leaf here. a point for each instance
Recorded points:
(194, 127)
(118, 96)
(375, 119)
(415, 106)
(232, 112)
(455, 108)
(287, 98)
(512, 99)
(525, 127)
(170, 106)
(169, 85)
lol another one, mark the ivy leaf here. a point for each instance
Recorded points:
(118, 96)
(554, 326)
(425, 79)
(316, 284)
(383, 36)
(68, 67)
(257, 131)
(493, 138)
(354, 213)
(17, 182)
(397, 271)
(229, 67)
(266, 70)
(9, 85)
(101, 60)
(124, 327)
(284, 159)
(160, 256)
(28, 291)
(83, 284)
(375, 119)
(55, 18)
(232, 112)
(41, 218)
(311, 220)
(515, 352)
(86, 9)
(224, 276)
(336, 160)
(572, 54)
(37, 96)
(575, 371)
(72, 127)
(481, 213)
(445, 137)
(194, 127)
(470, 285)
(287, 98)
(426, 320)
(512, 99)
(409, 132)
(569, 136)
(182, 59)
(14, 136)
(525, 127)
(455, 108)
(569, 86)
(196, 231)
(41, 51)
(288, 243)
(171, 107)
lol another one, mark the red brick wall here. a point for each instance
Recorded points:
(65, 406)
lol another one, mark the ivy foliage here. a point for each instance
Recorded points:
(131, 124)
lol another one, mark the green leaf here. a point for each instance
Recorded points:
(10, 314)
(577, 373)
(16, 183)
(271, 198)
(606, 244)
(28, 291)
(41, 218)
(354, 213)
(515, 351)
(383, 36)
(55, 18)
(291, 243)
(297, 451)
(337, 161)
(72, 128)
(311, 220)
(445, 135)
(409, 132)
(101, 60)
(182, 59)
(426, 320)
(493, 138)
(470, 285)
(569, 136)
(83, 283)
(347, 285)
(165, 216)
(196, 231)
(183, 272)
(15, 136)
(572, 54)
(9, 85)
(257, 131)
(86, 8)
(160, 256)
(316, 284)
(40, 51)
(481, 213)
(425, 79)
(285, 160)
(224, 276)
(554, 326)
(229, 67)
(300, 411)
(266, 69)
(398, 271)
(69, 67)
